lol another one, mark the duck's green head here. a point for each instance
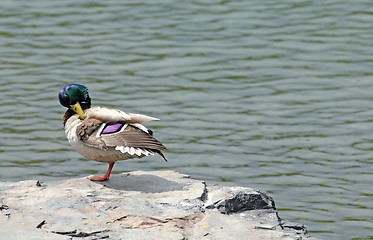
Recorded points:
(76, 98)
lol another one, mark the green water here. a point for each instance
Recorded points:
(275, 95)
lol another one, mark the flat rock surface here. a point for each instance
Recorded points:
(140, 205)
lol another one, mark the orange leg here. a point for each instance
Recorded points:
(105, 177)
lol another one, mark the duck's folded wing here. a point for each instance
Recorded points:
(127, 138)
(123, 136)
(131, 136)
(132, 140)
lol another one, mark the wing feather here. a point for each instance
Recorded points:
(131, 136)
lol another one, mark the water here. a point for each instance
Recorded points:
(275, 95)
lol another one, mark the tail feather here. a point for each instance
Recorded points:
(161, 154)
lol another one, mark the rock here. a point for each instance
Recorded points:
(140, 205)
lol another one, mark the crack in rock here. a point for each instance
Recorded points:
(75, 233)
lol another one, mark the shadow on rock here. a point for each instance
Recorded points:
(142, 183)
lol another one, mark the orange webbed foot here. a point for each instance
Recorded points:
(99, 178)
(105, 177)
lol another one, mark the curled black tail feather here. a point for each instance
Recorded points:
(161, 154)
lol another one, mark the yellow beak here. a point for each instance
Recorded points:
(78, 109)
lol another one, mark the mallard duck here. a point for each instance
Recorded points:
(103, 134)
